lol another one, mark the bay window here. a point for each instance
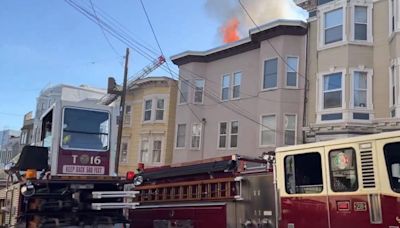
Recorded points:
(360, 23)
(291, 71)
(290, 125)
(237, 78)
(151, 147)
(183, 91)
(160, 109)
(360, 89)
(180, 136)
(147, 110)
(225, 87)
(199, 91)
(270, 74)
(222, 138)
(196, 136)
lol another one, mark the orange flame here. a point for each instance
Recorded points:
(230, 31)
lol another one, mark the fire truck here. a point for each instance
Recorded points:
(346, 183)
(70, 180)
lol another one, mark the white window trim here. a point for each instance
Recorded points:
(334, 5)
(180, 93)
(154, 98)
(230, 134)
(229, 86)
(240, 85)
(295, 128)
(277, 74)
(226, 135)
(396, 64)
(370, 5)
(369, 104)
(261, 129)
(176, 136)
(127, 124)
(127, 152)
(151, 138)
(297, 72)
(321, 110)
(194, 92)
(191, 136)
(396, 18)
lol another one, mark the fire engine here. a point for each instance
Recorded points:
(69, 180)
(344, 183)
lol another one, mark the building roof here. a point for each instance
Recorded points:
(256, 35)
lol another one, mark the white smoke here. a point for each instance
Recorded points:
(261, 11)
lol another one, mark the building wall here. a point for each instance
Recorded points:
(137, 129)
(375, 57)
(248, 109)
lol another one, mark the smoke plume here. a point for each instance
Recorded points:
(235, 23)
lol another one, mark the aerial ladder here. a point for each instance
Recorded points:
(114, 90)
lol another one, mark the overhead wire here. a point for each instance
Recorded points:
(207, 93)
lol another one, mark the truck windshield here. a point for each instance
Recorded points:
(85, 129)
(392, 158)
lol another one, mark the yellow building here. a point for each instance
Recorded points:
(149, 124)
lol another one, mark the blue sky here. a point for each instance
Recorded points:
(47, 42)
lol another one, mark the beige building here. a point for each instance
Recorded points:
(353, 60)
(148, 125)
(242, 98)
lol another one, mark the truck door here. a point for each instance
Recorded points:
(303, 197)
(350, 172)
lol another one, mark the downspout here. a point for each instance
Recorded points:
(306, 84)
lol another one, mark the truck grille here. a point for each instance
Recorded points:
(367, 167)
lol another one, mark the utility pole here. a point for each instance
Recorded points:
(121, 112)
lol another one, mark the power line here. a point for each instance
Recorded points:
(102, 29)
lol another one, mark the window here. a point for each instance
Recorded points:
(392, 158)
(147, 110)
(144, 151)
(184, 91)
(343, 170)
(303, 173)
(234, 131)
(270, 73)
(268, 130)
(157, 150)
(393, 15)
(160, 109)
(290, 129)
(124, 152)
(151, 149)
(180, 135)
(199, 91)
(237, 77)
(85, 129)
(222, 139)
(291, 71)
(360, 22)
(360, 89)
(196, 134)
(127, 116)
(333, 26)
(332, 90)
(393, 85)
(225, 87)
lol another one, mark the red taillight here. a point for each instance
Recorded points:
(130, 175)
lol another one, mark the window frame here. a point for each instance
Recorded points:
(394, 85)
(146, 110)
(295, 128)
(320, 104)
(394, 17)
(261, 130)
(369, 103)
(184, 82)
(233, 84)
(151, 138)
(233, 134)
(326, 8)
(200, 138)
(202, 91)
(226, 136)
(228, 87)
(296, 71)
(126, 114)
(176, 136)
(263, 74)
(355, 169)
(156, 109)
(124, 141)
(370, 39)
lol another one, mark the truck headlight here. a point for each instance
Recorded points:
(28, 189)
